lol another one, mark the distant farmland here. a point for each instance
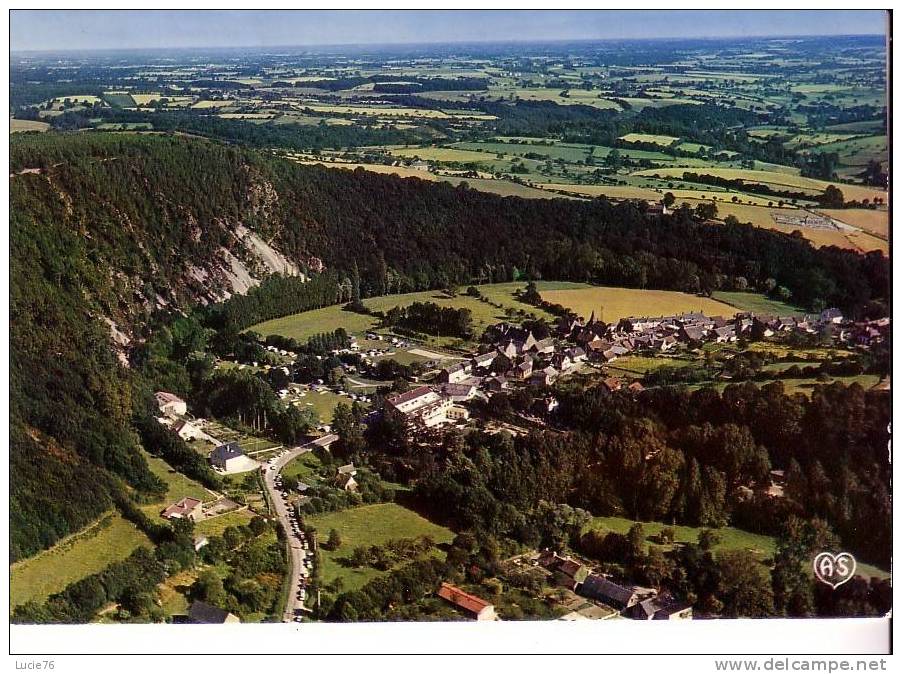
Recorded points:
(22, 125)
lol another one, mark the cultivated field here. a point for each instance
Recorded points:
(368, 525)
(871, 221)
(612, 304)
(665, 141)
(611, 191)
(110, 539)
(22, 125)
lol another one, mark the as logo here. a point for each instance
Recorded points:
(834, 570)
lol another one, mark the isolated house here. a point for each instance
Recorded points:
(187, 508)
(471, 605)
(346, 482)
(170, 404)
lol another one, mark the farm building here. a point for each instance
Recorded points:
(473, 606)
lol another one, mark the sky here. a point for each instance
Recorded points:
(58, 30)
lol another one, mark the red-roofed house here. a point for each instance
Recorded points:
(187, 508)
(476, 608)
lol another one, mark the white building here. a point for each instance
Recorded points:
(170, 404)
(421, 405)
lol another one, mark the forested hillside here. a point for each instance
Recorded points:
(110, 232)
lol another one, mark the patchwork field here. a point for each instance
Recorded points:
(368, 525)
(612, 304)
(89, 551)
(779, 180)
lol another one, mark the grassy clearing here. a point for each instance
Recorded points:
(305, 468)
(177, 486)
(730, 538)
(639, 365)
(323, 403)
(304, 325)
(22, 125)
(216, 525)
(110, 539)
(612, 304)
(369, 525)
(760, 304)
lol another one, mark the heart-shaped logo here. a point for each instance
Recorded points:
(834, 570)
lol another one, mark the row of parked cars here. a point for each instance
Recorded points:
(307, 553)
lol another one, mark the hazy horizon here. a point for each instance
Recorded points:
(119, 30)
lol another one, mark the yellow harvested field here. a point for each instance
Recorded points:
(21, 125)
(144, 99)
(785, 180)
(612, 304)
(649, 138)
(611, 191)
(203, 105)
(402, 171)
(872, 221)
(867, 242)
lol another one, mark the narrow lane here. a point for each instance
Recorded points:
(298, 554)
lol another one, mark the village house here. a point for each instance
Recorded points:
(543, 347)
(187, 508)
(170, 404)
(454, 374)
(483, 361)
(496, 384)
(471, 605)
(660, 609)
(421, 405)
(458, 413)
(228, 457)
(521, 371)
(202, 613)
(458, 392)
(545, 377)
